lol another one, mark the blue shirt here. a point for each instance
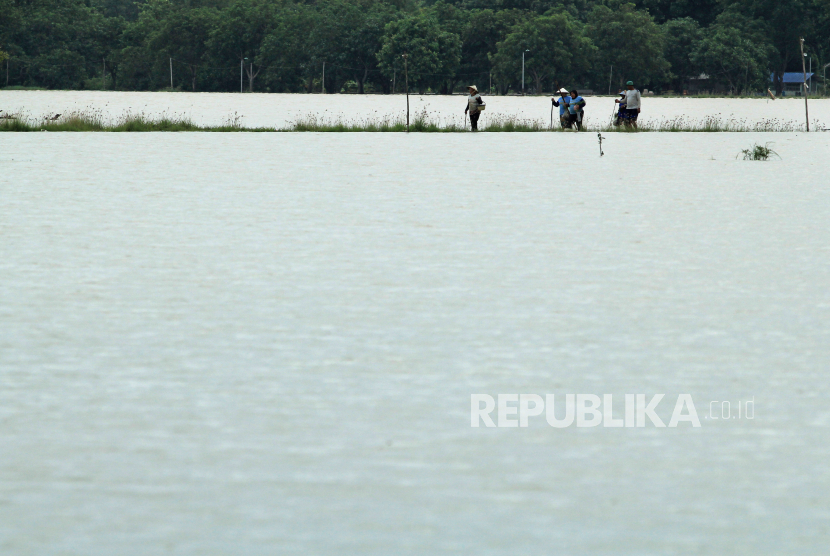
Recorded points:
(562, 103)
(574, 101)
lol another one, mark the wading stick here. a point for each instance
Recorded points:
(406, 78)
(551, 114)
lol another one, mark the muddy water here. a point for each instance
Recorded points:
(266, 344)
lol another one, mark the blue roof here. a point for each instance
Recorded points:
(793, 76)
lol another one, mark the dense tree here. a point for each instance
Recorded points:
(127, 9)
(485, 29)
(9, 20)
(787, 21)
(682, 36)
(180, 33)
(702, 11)
(285, 51)
(432, 53)
(239, 33)
(451, 43)
(360, 45)
(554, 46)
(55, 43)
(629, 41)
(733, 52)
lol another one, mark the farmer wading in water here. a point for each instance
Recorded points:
(576, 107)
(632, 105)
(474, 105)
(562, 103)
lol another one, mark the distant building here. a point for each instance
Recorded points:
(793, 81)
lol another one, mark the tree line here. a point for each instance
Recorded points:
(357, 45)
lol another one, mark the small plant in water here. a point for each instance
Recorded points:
(758, 152)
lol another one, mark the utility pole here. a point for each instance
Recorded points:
(241, 65)
(610, 78)
(804, 70)
(394, 75)
(523, 71)
(406, 77)
(324, 77)
(171, 73)
(251, 79)
(104, 76)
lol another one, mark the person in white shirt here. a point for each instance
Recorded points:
(474, 106)
(632, 104)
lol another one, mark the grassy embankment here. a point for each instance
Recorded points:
(84, 121)
(420, 123)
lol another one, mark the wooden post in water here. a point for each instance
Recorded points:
(406, 77)
(804, 70)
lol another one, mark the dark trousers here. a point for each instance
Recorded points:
(576, 119)
(474, 119)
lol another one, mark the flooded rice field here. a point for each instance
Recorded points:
(282, 110)
(265, 344)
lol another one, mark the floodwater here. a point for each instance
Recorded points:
(263, 344)
(281, 110)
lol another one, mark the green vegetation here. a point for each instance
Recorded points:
(420, 123)
(94, 121)
(284, 45)
(758, 152)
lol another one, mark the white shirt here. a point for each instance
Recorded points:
(632, 99)
(472, 102)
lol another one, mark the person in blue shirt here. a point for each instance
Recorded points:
(576, 107)
(562, 102)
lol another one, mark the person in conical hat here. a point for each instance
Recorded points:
(474, 106)
(562, 102)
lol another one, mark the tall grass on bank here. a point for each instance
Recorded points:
(421, 122)
(714, 124)
(95, 121)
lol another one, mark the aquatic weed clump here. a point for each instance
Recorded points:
(758, 152)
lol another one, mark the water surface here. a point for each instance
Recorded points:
(266, 344)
